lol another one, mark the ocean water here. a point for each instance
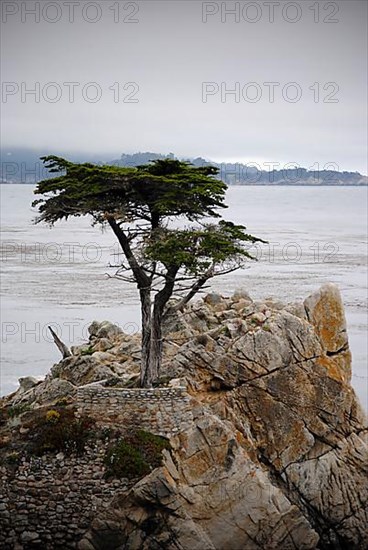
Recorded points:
(59, 276)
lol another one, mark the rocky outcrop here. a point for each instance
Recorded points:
(276, 455)
(209, 494)
(325, 312)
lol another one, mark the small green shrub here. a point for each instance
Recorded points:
(87, 351)
(3, 417)
(63, 402)
(124, 460)
(17, 410)
(59, 430)
(107, 433)
(13, 458)
(135, 455)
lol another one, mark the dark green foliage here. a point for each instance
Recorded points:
(17, 410)
(135, 455)
(87, 351)
(63, 402)
(12, 459)
(163, 188)
(7, 413)
(141, 205)
(10, 455)
(58, 430)
(196, 250)
(3, 416)
(124, 460)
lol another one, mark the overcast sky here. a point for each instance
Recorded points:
(180, 58)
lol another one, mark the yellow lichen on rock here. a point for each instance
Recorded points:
(325, 311)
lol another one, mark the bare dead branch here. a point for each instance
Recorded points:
(65, 352)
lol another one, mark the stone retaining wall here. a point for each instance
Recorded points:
(50, 501)
(161, 411)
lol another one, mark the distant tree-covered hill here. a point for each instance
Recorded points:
(24, 166)
(243, 174)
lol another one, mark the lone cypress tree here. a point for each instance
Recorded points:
(141, 205)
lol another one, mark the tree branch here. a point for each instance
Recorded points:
(196, 287)
(65, 352)
(140, 276)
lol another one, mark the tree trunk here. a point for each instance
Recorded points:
(155, 345)
(161, 299)
(151, 323)
(146, 375)
(144, 284)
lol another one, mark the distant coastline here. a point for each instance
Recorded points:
(317, 185)
(25, 167)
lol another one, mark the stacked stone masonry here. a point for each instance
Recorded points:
(50, 501)
(162, 411)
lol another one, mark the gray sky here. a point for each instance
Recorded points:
(169, 53)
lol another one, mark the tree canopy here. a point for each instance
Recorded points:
(144, 206)
(150, 192)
